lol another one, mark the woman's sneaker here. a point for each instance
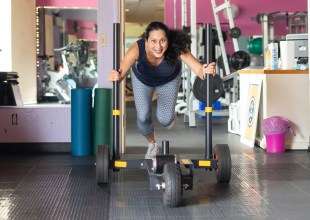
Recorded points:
(152, 151)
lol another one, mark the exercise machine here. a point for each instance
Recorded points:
(167, 172)
(9, 89)
(59, 84)
(238, 60)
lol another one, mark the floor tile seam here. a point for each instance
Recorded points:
(61, 195)
(138, 198)
(41, 185)
(293, 205)
(290, 216)
(23, 179)
(128, 188)
(258, 214)
(53, 168)
(45, 175)
(308, 168)
(273, 207)
(111, 214)
(299, 188)
(48, 210)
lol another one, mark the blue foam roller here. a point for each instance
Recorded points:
(81, 106)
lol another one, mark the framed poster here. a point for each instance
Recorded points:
(249, 125)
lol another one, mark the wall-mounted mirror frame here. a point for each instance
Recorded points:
(66, 51)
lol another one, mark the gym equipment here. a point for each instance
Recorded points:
(216, 9)
(298, 22)
(234, 32)
(60, 83)
(220, 61)
(81, 108)
(9, 89)
(255, 46)
(224, 67)
(215, 38)
(76, 27)
(240, 60)
(295, 22)
(8, 76)
(166, 172)
(234, 11)
(256, 60)
(102, 126)
(234, 118)
(216, 90)
(80, 50)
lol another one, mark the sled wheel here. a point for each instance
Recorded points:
(172, 190)
(223, 170)
(102, 164)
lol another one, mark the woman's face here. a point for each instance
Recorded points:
(157, 43)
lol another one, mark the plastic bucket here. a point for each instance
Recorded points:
(275, 143)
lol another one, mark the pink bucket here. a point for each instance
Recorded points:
(276, 143)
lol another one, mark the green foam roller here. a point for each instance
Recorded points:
(102, 118)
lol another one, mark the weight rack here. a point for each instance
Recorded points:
(216, 9)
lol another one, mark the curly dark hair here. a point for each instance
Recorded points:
(179, 41)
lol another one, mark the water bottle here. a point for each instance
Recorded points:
(274, 56)
(267, 59)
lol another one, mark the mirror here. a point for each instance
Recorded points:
(67, 52)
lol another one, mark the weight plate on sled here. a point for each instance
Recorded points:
(216, 88)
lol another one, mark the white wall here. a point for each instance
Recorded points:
(24, 47)
(18, 44)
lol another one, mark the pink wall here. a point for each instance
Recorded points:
(68, 3)
(247, 10)
(85, 32)
(90, 35)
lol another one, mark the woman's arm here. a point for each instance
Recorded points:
(129, 59)
(198, 68)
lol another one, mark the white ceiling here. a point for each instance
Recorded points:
(144, 11)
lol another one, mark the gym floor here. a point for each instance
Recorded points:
(56, 185)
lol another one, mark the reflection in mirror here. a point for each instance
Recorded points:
(67, 52)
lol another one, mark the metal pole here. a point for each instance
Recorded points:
(175, 14)
(216, 10)
(264, 21)
(184, 13)
(194, 28)
(209, 78)
(116, 96)
(165, 147)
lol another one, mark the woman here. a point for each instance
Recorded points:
(155, 60)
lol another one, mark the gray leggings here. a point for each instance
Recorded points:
(166, 100)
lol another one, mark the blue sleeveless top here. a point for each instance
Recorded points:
(154, 75)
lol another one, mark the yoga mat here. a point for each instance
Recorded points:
(81, 106)
(102, 118)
